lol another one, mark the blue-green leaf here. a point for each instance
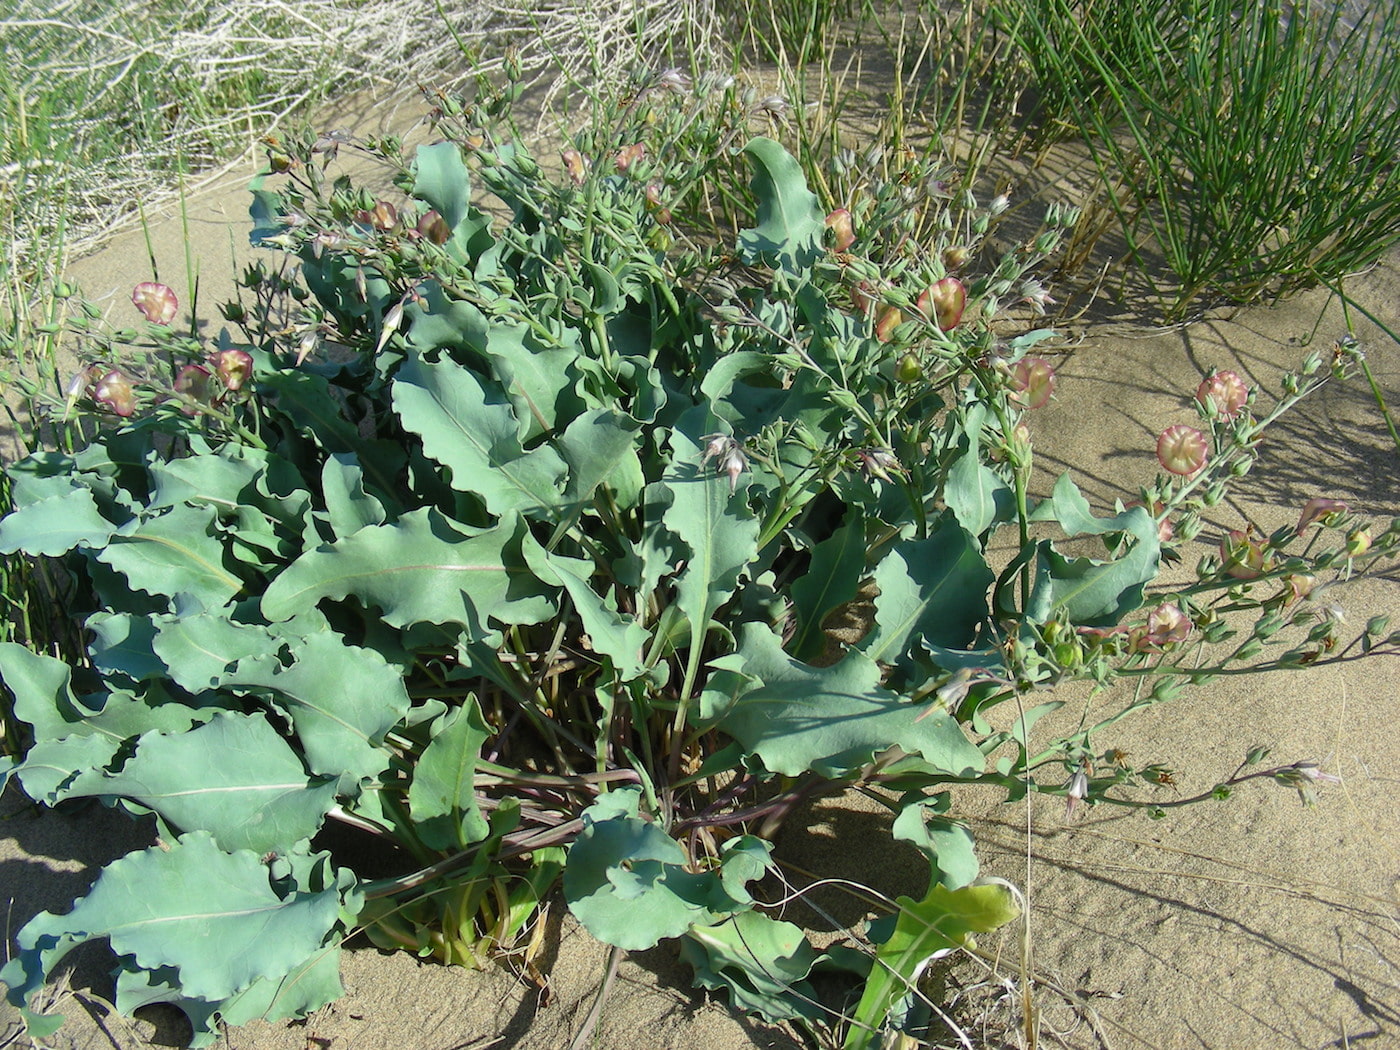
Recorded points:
(214, 917)
(174, 553)
(423, 568)
(442, 796)
(831, 579)
(790, 222)
(833, 720)
(477, 439)
(56, 525)
(234, 777)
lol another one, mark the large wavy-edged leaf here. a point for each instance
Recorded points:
(976, 494)
(214, 917)
(305, 989)
(422, 568)
(341, 699)
(762, 962)
(1087, 591)
(349, 508)
(790, 221)
(442, 797)
(625, 878)
(122, 645)
(234, 777)
(200, 650)
(832, 720)
(174, 553)
(56, 525)
(218, 480)
(476, 437)
(932, 590)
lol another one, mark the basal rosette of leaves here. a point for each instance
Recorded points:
(515, 553)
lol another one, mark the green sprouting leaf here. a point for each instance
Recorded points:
(215, 917)
(931, 590)
(620, 638)
(56, 525)
(423, 568)
(833, 720)
(477, 439)
(174, 553)
(1086, 591)
(199, 650)
(234, 777)
(944, 920)
(442, 796)
(790, 222)
(946, 843)
(715, 523)
(831, 579)
(342, 700)
(762, 962)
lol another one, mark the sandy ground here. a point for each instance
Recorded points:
(1256, 923)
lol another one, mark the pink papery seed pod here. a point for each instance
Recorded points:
(156, 302)
(842, 229)
(113, 391)
(433, 228)
(576, 164)
(863, 297)
(1182, 450)
(383, 216)
(1241, 556)
(1226, 391)
(1033, 379)
(630, 155)
(889, 318)
(1319, 509)
(943, 303)
(233, 367)
(193, 382)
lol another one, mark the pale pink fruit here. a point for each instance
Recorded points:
(1226, 391)
(233, 367)
(1242, 557)
(1182, 450)
(193, 381)
(1317, 509)
(156, 302)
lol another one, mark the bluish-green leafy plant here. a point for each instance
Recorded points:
(512, 532)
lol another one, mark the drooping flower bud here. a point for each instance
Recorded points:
(1033, 379)
(233, 367)
(1182, 450)
(156, 302)
(843, 232)
(943, 303)
(878, 463)
(728, 455)
(1226, 391)
(113, 391)
(1319, 509)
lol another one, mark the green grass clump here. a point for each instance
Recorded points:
(1250, 149)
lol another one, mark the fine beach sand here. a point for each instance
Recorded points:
(1256, 923)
